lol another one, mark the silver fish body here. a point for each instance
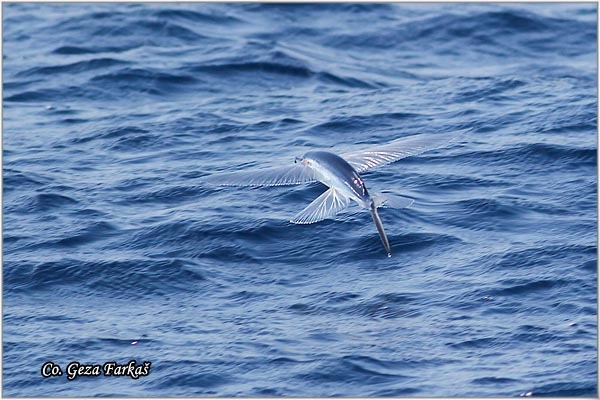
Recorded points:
(335, 172)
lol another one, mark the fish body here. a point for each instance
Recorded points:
(335, 172)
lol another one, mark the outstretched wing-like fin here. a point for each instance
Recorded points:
(278, 176)
(394, 151)
(326, 205)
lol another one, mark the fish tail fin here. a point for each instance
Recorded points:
(380, 229)
(390, 200)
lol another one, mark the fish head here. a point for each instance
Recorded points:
(305, 160)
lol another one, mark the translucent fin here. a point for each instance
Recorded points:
(394, 151)
(278, 176)
(391, 200)
(326, 205)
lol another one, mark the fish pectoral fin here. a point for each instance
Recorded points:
(391, 200)
(326, 205)
(277, 176)
(398, 149)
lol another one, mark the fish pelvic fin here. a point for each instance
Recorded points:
(326, 205)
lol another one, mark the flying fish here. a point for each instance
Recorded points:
(341, 173)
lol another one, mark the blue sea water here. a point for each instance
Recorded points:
(115, 250)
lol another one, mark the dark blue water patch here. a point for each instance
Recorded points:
(538, 157)
(277, 66)
(262, 73)
(339, 298)
(543, 155)
(50, 201)
(142, 277)
(475, 343)
(385, 306)
(198, 232)
(73, 68)
(430, 185)
(471, 30)
(21, 85)
(467, 300)
(516, 26)
(49, 95)
(516, 289)
(485, 208)
(309, 11)
(579, 126)
(132, 29)
(260, 126)
(339, 80)
(541, 337)
(566, 389)
(255, 68)
(340, 375)
(590, 266)
(398, 392)
(166, 29)
(197, 242)
(94, 232)
(124, 139)
(79, 50)
(14, 179)
(86, 345)
(516, 21)
(143, 80)
(245, 297)
(363, 122)
(74, 121)
(213, 16)
(113, 133)
(492, 380)
(543, 256)
(135, 184)
(137, 139)
(200, 383)
(484, 214)
(492, 90)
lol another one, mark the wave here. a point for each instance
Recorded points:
(293, 70)
(73, 68)
(116, 278)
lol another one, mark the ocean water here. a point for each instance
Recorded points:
(115, 250)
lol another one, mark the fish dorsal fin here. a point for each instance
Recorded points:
(393, 151)
(278, 176)
(326, 205)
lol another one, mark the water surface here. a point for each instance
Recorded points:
(115, 250)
